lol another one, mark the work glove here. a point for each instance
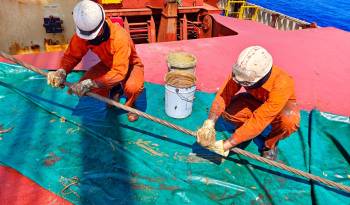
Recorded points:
(56, 78)
(82, 87)
(206, 134)
(218, 148)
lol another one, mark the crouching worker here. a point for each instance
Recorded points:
(120, 69)
(269, 101)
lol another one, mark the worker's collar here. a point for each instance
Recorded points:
(111, 26)
(269, 83)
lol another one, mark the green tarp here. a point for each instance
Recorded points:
(59, 140)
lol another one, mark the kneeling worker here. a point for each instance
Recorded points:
(120, 69)
(269, 100)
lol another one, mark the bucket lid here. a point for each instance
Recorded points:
(181, 60)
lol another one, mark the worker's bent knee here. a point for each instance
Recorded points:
(290, 121)
(133, 87)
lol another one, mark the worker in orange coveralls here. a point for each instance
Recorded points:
(269, 101)
(120, 69)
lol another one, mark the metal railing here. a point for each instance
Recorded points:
(248, 11)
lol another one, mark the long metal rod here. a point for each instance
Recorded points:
(189, 132)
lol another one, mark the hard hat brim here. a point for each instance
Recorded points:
(238, 77)
(88, 37)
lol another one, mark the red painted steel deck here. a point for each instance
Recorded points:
(18, 189)
(316, 58)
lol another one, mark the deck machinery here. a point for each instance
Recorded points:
(160, 21)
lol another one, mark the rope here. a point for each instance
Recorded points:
(72, 181)
(189, 132)
(291, 169)
(180, 79)
(142, 114)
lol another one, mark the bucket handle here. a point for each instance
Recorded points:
(183, 97)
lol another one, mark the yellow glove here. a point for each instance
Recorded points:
(206, 134)
(218, 148)
(56, 78)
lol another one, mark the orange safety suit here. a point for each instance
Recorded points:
(273, 103)
(119, 63)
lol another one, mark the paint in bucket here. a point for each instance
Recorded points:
(182, 61)
(179, 93)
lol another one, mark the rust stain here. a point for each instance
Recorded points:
(16, 48)
(213, 196)
(191, 158)
(148, 148)
(140, 186)
(151, 179)
(51, 159)
(170, 188)
(62, 119)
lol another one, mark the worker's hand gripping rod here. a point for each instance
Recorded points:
(189, 132)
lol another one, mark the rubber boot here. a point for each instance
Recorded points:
(115, 94)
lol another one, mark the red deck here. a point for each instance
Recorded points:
(18, 189)
(316, 58)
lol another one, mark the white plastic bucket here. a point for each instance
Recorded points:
(179, 101)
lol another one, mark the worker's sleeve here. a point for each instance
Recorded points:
(224, 96)
(75, 52)
(136, 60)
(120, 65)
(266, 113)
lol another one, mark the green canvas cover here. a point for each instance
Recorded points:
(90, 154)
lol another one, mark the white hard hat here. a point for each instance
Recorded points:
(89, 18)
(252, 65)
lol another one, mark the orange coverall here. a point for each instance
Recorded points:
(119, 63)
(273, 103)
